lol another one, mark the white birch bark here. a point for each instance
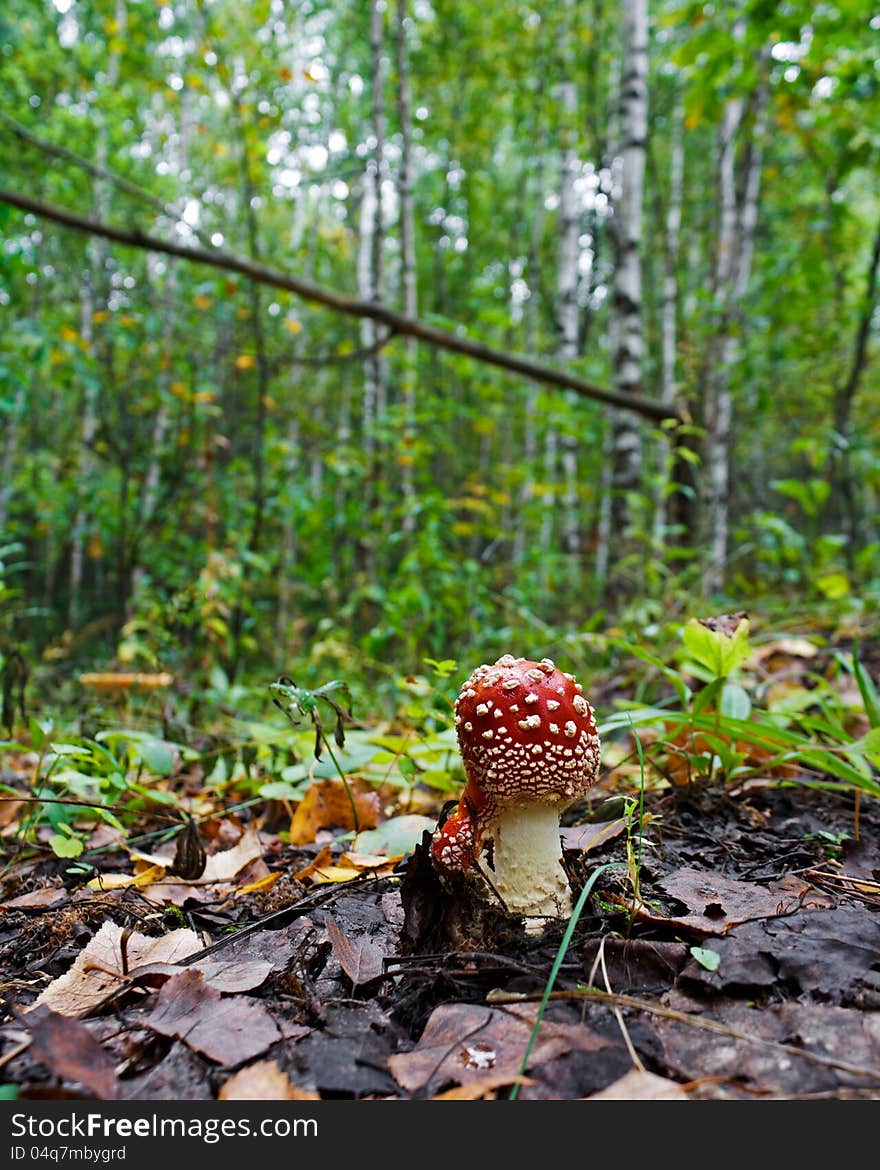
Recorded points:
(92, 285)
(628, 339)
(567, 307)
(408, 267)
(669, 313)
(738, 213)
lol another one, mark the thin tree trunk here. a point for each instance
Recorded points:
(669, 316)
(370, 280)
(92, 287)
(10, 450)
(408, 268)
(842, 498)
(567, 319)
(738, 212)
(628, 336)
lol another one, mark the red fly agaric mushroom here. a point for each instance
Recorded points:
(528, 740)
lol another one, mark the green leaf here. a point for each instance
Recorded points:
(833, 585)
(65, 846)
(395, 836)
(719, 652)
(735, 701)
(281, 790)
(867, 690)
(706, 957)
(157, 755)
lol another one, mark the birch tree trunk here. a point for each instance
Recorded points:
(93, 286)
(626, 305)
(737, 219)
(567, 317)
(370, 276)
(408, 268)
(669, 316)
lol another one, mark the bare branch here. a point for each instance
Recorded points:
(453, 342)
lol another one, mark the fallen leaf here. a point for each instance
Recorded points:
(754, 1060)
(223, 867)
(359, 957)
(394, 837)
(263, 1081)
(229, 976)
(37, 899)
(69, 1051)
(326, 806)
(226, 1031)
(124, 881)
(587, 837)
(641, 1085)
(348, 867)
(98, 969)
(477, 1090)
(260, 885)
(716, 903)
(466, 1043)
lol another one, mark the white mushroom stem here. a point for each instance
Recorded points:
(527, 861)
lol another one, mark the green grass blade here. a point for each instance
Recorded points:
(554, 970)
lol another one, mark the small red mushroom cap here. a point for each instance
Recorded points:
(526, 735)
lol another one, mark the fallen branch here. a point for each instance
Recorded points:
(454, 342)
(499, 996)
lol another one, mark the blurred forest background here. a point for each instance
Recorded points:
(588, 339)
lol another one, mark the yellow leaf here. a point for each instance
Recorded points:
(100, 316)
(245, 361)
(292, 325)
(261, 884)
(406, 460)
(95, 548)
(269, 402)
(122, 881)
(204, 396)
(242, 314)
(179, 389)
(69, 334)
(202, 302)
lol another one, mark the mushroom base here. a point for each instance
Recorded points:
(527, 862)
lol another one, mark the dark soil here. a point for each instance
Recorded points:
(750, 968)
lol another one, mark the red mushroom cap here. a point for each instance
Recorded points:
(526, 734)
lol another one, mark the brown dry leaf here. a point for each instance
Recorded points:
(326, 806)
(718, 903)
(477, 1090)
(640, 1085)
(587, 837)
(359, 957)
(144, 876)
(229, 976)
(37, 899)
(763, 1056)
(69, 1051)
(260, 885)
(223, 867)
(469, 1043)
(349, 866)
(263, 1081)
(98, 969)
(227, 1031)
(113, 681)
(9, 810)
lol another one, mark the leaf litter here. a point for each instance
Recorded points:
(748, 967)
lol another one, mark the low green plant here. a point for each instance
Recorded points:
(723, 734)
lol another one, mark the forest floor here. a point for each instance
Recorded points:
(747, 967)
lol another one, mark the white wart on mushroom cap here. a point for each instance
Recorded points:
(528, 740)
